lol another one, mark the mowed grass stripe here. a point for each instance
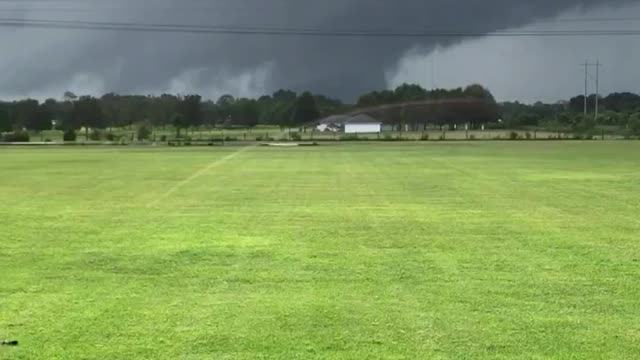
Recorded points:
(196, 175)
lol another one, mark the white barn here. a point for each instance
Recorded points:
(362, 123)
(332, 123)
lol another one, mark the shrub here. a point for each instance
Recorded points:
(95, 135)
(472, 137)
(47, 140)
(296, 136)
(230, 138)
(163, 138)
(259, 138)
(144, 131)
(424, 137)
(69, 135)
(349, 137)
(442, 137)
(528, 135)
(110, 137)
(513, 135)
(577, 137)
(16, 136)
(389, 137)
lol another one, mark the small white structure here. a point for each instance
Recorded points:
(362, 123)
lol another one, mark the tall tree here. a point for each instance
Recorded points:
(179, 123)
(42, 119)
(226, 100)
(69, 96)
(283, 95)
(247, 113)
(6, 124)
(26, 113)
(87, 113)
(305, 110)
(190, 107)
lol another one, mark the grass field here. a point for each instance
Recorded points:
(496, 250)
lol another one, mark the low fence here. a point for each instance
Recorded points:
(222, 138)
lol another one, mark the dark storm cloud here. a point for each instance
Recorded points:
(339, 66)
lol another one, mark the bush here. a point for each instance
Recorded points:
(389, 137)
(472, 137)
(163, 138)
(95, 135)
(17, 136)
(69, 135)
(110, 137)
(230, 138)
(296, 136)
(442, 137)
(513, 135)
(424, 137)
(144, 132)
(349, 137)
(528, 135)
(47, 140)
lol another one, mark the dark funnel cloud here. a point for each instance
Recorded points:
(39, 61)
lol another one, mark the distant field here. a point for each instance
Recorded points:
(486, 250)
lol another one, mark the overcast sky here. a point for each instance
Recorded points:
(45, 62)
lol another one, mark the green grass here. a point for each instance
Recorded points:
(488, 250)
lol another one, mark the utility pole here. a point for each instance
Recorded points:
(433, 70)
(597, 87)
(586, 85)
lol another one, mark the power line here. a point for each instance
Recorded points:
(282, 31)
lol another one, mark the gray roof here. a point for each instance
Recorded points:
(363, 119)
(334, 119)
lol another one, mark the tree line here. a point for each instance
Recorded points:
(283, 108)
(617, 112)
(473, 106)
